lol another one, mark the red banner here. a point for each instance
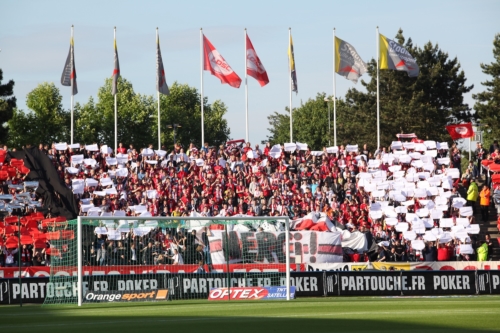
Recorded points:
(255, 68)
(237, 294)
(460, 131)
(44, 271)
(215, 63)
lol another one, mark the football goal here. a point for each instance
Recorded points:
(123, 259)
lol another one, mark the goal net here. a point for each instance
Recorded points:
(113, 259)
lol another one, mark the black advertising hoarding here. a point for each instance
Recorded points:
(405, 283)
(488, 282)
(369, 283)
(495, 282)
(125, 296)
(4, 292)
(180, 286)
(331, 283)
(416, 283)
(306, 284)
(36, 290)
(33, 290)
(139, 282)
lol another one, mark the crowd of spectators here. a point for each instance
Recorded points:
(240, 179)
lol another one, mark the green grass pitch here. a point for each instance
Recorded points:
(314, 315)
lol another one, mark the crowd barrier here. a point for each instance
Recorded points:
(307, 284)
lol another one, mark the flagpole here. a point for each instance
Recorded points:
(334, 95)
(159, 137)
(290, 80)
(378, 94)
(72, 95)
(246, 89)
(116, 107)
(201, 90)
(158, 93)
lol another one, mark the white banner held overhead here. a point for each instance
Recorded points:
(323, 247)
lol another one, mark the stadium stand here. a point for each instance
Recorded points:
(406, 202)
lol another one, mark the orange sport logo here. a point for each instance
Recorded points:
(118, 296)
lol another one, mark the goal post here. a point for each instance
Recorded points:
(184, 257)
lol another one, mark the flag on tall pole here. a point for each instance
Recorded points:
(116, 70)
(161, 83)
(114, 90)
(254, 66)
(68, 78)
(378, 91)
(292, 76)
(255, 69)
(348, 63)
(396, 57)
(201, 89)
(334, 96)
(291, 61)
(215, 63)
(212, 61)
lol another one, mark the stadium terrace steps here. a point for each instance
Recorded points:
(489, 227)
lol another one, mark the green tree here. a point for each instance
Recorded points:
(88, 123)
(424, 105)
(488, 102)
(138, 120)
(95, 121)
(356, 127)
(20, 129)
(7, 105)
(135, 115)
(216, 129)
(310, 124)
(45, 122)
(182, 107)
(279, 128)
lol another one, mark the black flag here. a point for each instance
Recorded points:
(161, 83)
(68, 77)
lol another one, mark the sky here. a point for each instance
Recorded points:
(34, 43)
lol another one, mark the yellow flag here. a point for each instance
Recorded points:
(396, 57)
(291, 61)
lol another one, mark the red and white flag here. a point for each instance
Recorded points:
(460, 131)
(216, 64)
(254, 67)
